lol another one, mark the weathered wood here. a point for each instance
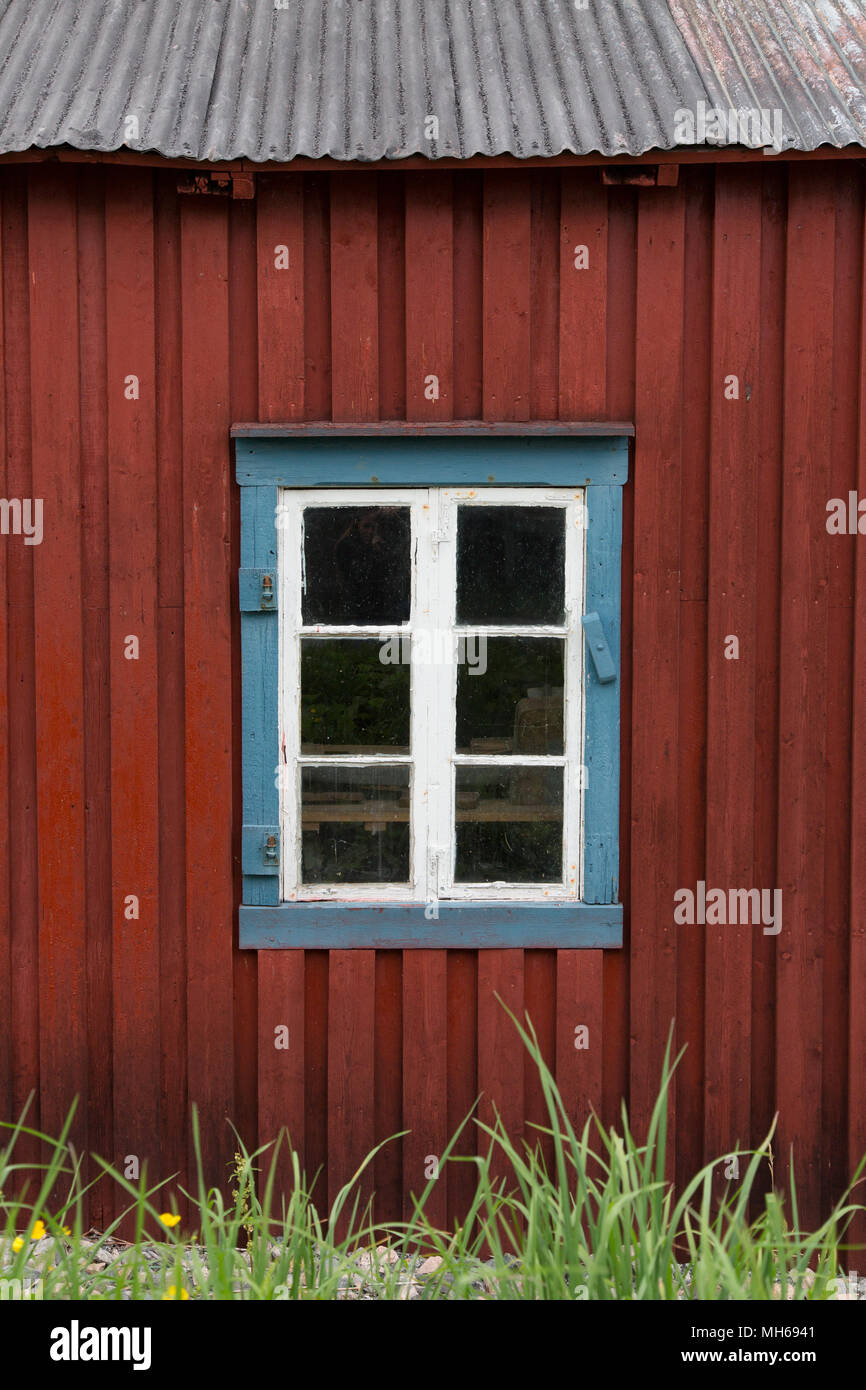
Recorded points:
(221, 331)
(207, 676)
(59, 650)
(803, 656)
(731, 669)
(656, 640)
(133, 663)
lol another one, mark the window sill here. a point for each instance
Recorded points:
(399, 926)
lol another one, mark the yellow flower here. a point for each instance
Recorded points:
(168, 1218)
(66, 1231)
(172, 1293)
(39, 1231)
(17, 1244)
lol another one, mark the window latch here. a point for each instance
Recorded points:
(598, 648)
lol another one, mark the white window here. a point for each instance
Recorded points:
(431, 720)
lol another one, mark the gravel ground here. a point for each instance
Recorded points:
(153, 1268)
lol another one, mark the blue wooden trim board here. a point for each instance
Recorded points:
(551, 461)
(480, 925)
(265, 463)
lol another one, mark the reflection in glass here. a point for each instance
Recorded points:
(355, 824)
(353, 700)
(515, 706)
(510, 565)
(509, 824)
(357, 565)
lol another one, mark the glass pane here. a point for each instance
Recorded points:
(510, 564)
(355, 824)
(354, 695)
(509, 825)
(357, 565)
(510, 699)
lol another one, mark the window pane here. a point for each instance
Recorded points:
(509, 825)
(357, 565)
(354, 696)
(510, 564)
(509, 695)
(355, 824)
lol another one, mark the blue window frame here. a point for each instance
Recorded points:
(269, 459)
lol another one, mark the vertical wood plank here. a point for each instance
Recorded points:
(539, 992)
(692, 776)
(351, 1059)
(280, 299)
(731, 681)
(170, 584)
(425, 1106)
(97, 680)
(462, 1045)
(468, 296)
(23, 1027)
(769, 470)
(280, 240)
(388, 1067)
(803, 676)
(580, 1033)
(354, 302)
(507, 279)
(132, 498)
(544, 296)
(856, 1079)
(317, 298)
(5, 915)
(583, 297)
(429, 297)
(655, 649)
(316, 973)
(391, 215)
(837, 793)
(208, 675)
(59, 690)
(500, 1048)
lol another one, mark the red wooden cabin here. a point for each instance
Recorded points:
(144, 248)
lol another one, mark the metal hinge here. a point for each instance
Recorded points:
(260, 849)
(257, 590)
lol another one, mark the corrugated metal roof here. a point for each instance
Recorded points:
(372, 79)
(806, 61)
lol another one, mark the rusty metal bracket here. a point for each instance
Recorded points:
(221, 183)
(640, 175)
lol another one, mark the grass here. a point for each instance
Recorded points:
(597, 1220)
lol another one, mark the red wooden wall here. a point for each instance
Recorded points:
(122, 777)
